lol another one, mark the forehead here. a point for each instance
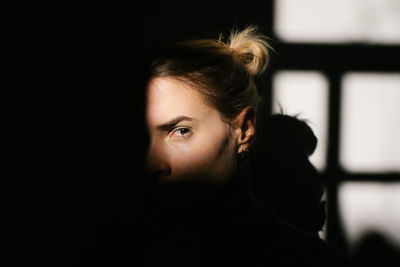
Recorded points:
(168, 98)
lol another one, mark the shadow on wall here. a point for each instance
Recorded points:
(375, 250)
(282, 174)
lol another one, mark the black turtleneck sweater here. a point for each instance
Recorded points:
(227, 226)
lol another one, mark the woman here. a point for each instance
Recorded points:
(200, 115)
(201, 107)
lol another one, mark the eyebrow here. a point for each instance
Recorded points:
(172, 123)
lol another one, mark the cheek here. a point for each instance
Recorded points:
(209, 157)
(191, 159)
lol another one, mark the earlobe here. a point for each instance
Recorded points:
(243, 149)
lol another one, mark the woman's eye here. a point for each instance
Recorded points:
(182, 132)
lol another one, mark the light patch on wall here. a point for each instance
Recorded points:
(304, 93)
(370, 122)
(370, 207)
(339, 21)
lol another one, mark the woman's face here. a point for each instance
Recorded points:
(189, 141)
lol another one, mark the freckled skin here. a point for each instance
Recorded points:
(204, 150)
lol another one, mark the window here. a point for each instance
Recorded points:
(339, 21)
(370, 207)
(337, 66)
(370, 119)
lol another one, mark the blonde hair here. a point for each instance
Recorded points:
(224, 72)
(249, 48)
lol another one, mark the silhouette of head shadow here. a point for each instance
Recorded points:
(282, 174)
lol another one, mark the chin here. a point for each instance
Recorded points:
(192, 179)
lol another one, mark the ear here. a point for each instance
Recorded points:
(245, 127)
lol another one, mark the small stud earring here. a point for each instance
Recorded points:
(242, 155)
(242, 150)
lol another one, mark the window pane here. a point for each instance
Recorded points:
(370, 122)
(327, 21)
(304, 93)
(370, 207)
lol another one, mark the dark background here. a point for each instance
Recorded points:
(73, 138)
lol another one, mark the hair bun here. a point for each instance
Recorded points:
(250, 48)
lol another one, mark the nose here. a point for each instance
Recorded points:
(157, 164)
